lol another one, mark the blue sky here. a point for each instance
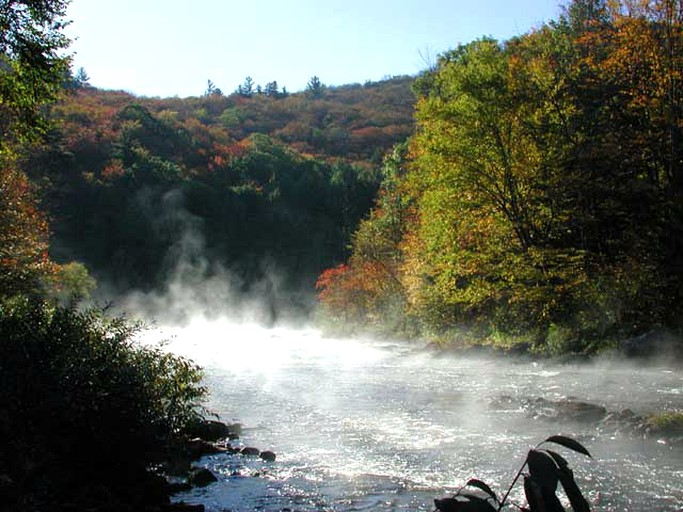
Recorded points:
(172, 47)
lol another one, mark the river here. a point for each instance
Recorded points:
(378, 425)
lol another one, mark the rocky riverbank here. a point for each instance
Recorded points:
(664, 427)
(146, 491)
(208, 438)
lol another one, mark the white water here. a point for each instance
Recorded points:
(361, 425)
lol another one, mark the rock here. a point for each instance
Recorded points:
(624, 421)
(177, 487)
(182, 507)
(231, 449)
(268, 456)
(234, 431)
(197, 448)
(565, 410)
(575, 410)
(211, 430)
(248, 450)
(201, 477)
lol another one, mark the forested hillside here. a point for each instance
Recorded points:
(141, 189)
(526, 191)
(540, 199)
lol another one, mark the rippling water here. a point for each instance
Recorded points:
(366, 425)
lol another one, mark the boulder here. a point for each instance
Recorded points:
(268, 456)
(234, 430)
(201, 477)
(575, 410)
(564, 410)
(177, 487)
(249, 450)
(211, 430)
(197, 448)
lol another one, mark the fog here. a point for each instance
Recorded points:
(361, 424)
(382, 425)
(196, 283)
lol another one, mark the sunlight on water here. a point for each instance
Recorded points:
(364, 425)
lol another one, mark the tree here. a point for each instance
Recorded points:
(31, 67)
(247, 88)
(72, 378)
(271, 89)
(31, 75)
(369, 289)
(25, 266)
(478, 175)
(212, 90)
(314, 87)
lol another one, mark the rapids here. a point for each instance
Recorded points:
(377, 425)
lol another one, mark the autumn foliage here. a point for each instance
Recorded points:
(540, 199)
(25, 265)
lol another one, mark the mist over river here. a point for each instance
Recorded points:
(381, 425)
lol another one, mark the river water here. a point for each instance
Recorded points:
(370, 425)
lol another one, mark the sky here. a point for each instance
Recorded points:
(173, 47)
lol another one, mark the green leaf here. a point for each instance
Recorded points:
(477, 504)
(559, 459)
(482, 486)
(568, 442)
(470, 504)
(543, 469)
(449, 505)
(566, 475)
(540, 498)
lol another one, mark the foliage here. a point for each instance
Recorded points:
(24, 237)
(369, 291)
(666, 421)
(83, 404)
(73, 282)
(128, 189)
(545, 470)
(543, 185)
(251, 178)
(31, 67)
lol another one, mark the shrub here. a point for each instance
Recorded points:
(82, 404)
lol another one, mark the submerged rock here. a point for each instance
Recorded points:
(568, 409)
(574, 410)
(249, 450)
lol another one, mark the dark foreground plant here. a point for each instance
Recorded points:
(84, 409)
(545, 469)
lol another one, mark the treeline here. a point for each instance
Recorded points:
(540, 199)
(137, 188)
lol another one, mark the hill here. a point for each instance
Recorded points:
(144, 189)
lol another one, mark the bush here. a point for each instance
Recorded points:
(82, 405)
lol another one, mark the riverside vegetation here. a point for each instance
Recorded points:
(86, 414)
(537, 200)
